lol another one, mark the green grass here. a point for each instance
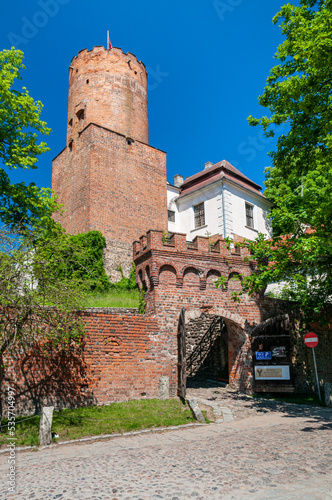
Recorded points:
(300, 399)
(96, 420)
(114, 298)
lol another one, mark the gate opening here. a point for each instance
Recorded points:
(207, 350)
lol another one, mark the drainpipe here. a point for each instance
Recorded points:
(223, 207)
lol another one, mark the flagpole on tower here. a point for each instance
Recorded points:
(108, 40)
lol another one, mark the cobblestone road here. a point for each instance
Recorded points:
(262, 450)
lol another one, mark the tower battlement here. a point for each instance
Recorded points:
(177, 242)
(100, 49)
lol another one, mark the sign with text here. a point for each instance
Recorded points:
(280, 372)
(279, 352)
(263, 355)
(311, 340)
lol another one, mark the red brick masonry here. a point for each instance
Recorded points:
(108, 177)
(125, 354)
(176, 274)
(122, 358)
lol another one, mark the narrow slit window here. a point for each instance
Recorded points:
(249, 215)
(199, 214)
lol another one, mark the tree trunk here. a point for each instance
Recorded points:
(2, 374)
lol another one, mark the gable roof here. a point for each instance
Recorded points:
(222, 169)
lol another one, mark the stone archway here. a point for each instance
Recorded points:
(217, 348)
(206, 347)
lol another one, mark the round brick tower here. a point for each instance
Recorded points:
(108, 177)
(108, 88)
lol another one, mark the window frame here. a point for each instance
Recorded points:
(199, 216)
(173, 215)
(248, 217)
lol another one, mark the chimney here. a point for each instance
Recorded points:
(208, 165)
(178, 180)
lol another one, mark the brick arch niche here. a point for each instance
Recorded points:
(191, 277)
(167, 275)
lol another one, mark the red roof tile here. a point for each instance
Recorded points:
(222, 169)
(221, 165)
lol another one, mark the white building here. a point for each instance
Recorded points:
(218, 200)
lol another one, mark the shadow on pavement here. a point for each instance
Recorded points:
(315, 414)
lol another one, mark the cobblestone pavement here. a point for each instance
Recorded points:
(263, 450)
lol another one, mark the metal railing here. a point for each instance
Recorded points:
(202, 349)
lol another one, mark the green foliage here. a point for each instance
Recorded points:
(20, 123)
(126, 283)
(221, 282)
(298, 97)
(165, 236)
(89, 264)
(97, 420)
(38, 298)
(82, 258)
(141, 302)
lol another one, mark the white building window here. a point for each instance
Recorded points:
(171, 215)
(199, 215)
(250, 215)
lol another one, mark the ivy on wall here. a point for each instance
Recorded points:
(88, 263)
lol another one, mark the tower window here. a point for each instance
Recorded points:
(171, 215)
(87, 81)
(249, 215)
(80, 114)
(199, 214)
(70, 122)
(70, 145)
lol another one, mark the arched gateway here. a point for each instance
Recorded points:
(176, 277)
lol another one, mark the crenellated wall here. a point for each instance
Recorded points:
(176, 274)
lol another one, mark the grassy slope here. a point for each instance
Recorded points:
(114, 298)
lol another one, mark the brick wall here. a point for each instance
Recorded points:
(111, 88)
(125, 354)
(178, 274)
(122, 358)
(109, 185)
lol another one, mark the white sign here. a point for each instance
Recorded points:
(273, 372)
(279, 352)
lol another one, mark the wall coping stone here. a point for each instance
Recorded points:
(112, 310)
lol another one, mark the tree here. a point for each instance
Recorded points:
(20, 125)
(41, 291)
(298, 96)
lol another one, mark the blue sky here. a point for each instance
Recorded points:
(207, 61)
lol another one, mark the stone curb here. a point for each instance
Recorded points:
(105, 436)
